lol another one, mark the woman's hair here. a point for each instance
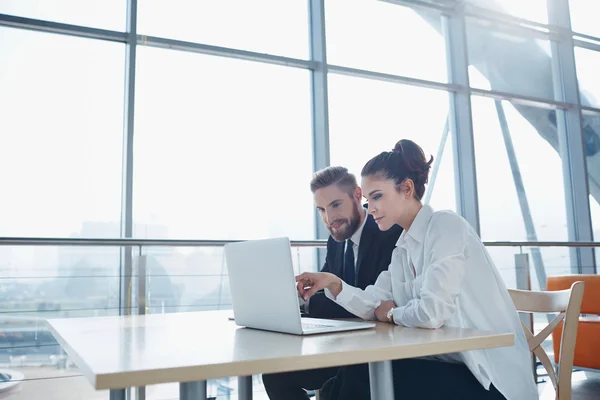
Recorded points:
(406, 160)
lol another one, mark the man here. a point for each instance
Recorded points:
(357, 252)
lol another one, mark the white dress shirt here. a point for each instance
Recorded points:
(442, 275)
(356, 239)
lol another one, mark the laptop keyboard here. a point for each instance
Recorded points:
(306, 325)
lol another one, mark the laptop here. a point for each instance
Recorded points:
(263, 290)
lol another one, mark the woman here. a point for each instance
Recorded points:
(440, 275)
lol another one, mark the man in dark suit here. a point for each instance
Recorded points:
(357, 252)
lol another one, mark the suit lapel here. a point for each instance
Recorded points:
(366, 240)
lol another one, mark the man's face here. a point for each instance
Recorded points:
(340, 211)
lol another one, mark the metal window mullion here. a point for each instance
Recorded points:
(461, 126)
(202, 48)
(572, 147)
(127, 166)
(38, 25)
(128, 287)
(319, 98)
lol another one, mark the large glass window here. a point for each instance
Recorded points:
(40, 282)
(222, 148)
(266, 26)
(588, 62)
(104, 14)
(61, 129)
(584, 16)
(61, 124)
(502, 62)
(368, 117)
(384, 37)
(532, 10)
(519, 178)
(588, 65)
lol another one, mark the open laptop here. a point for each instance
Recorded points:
(263, 290)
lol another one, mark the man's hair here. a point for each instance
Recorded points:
(334, 176)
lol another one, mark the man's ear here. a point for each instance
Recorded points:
(358, 194)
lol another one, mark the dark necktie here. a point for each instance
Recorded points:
(349, 271)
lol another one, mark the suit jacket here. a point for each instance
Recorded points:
(374, 256)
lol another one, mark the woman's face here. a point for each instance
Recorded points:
(388, 202)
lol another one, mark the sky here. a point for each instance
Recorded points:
(222, 146)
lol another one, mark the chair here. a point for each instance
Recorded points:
(568, 304)
(587, 349)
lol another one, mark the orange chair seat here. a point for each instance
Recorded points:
(587, 347)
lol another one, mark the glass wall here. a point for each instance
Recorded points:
(222, 148)
(208, 123)
(368, 116)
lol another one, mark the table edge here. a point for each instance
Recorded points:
(121, 380)
(77, 359)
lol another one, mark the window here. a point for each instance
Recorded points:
(368, 117)
(384, 37)
(265, 26)
(222, 148)
(532, 10)
(588, 62)
(40, 282)
(104, 14)
(589, 87)
(584, 16)
(182, 279)
(503, 202)
(514, 64)
(61, 129)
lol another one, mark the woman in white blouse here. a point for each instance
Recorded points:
(440, 275)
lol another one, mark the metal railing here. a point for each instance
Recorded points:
(41, 241)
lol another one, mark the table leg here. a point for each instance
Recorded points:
(245, 388)
(382, 381)
(140, 393)
(117, 394)
(192, 390)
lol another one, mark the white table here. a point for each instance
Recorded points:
(117, 353)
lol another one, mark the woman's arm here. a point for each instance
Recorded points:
(363, 303)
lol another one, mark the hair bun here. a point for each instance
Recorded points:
(398, 147)
(406, 160)
(414, 161)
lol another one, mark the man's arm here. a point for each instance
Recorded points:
(320, 306)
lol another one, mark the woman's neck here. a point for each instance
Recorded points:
(410, 215)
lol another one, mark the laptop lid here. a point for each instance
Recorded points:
(263, 285)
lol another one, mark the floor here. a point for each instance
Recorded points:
(586, 386)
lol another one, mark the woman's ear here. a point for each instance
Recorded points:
(407, 188)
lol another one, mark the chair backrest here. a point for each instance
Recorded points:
(567, 303)
(591, 298)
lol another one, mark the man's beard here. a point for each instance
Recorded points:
(349, 226)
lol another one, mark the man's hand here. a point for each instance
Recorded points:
(310, 283)
(382, 310)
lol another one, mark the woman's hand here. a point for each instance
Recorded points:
(382, 310)
(310, 283)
